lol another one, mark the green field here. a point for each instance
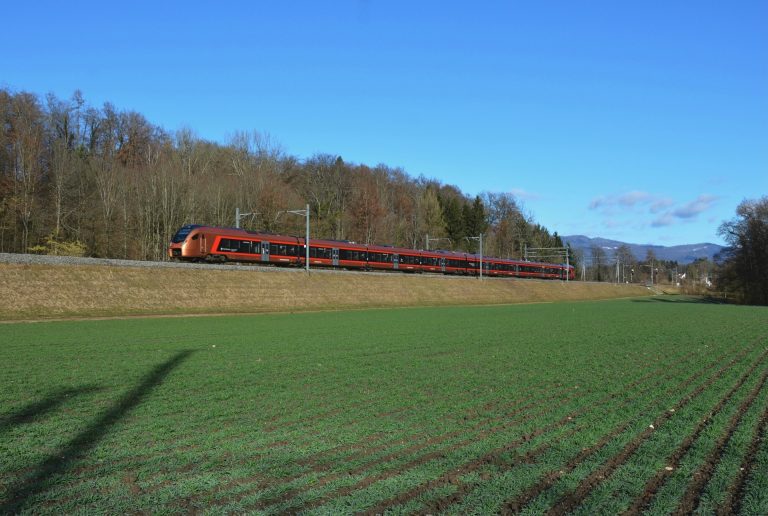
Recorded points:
(654, 404)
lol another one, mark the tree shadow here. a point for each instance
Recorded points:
(59, 462)
(39, 409)
(679, 300)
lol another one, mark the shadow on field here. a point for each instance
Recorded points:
(39, 409)
(679, 300)
(59, 462)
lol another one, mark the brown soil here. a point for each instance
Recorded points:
(519, 502)
(732, 502)
(653, 485)
(39, 292)
(494, 457)
(690, 501)
(570, 501)
(422, 443)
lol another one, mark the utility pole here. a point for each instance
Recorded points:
(544, 254)
(305, 213)
(480, 238)
(436, 239)
(239, 216)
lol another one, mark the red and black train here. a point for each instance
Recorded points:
(204, 243)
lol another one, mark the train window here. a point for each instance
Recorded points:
(195, 237)
(319, 252)
(244, 246)
(380, 257)
(227, 245)
(183, 233)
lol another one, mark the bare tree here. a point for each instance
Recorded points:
(745, 261)
(27, 146)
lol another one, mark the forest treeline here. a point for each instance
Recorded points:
(99, 181)
(743, 262)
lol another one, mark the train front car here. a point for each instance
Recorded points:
(180, 247)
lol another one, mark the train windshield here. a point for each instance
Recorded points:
(183, 233)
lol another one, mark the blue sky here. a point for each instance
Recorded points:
(646, 122)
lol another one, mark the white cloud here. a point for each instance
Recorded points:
(623, 200)
(598, 202)
(634, 197)
(694, 208)
(641, 208)
(662, 221)
(661, 205)
(524, 194)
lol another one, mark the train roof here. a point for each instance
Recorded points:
(242, 232)
(391, 250)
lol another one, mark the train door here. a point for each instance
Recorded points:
(442, 264)
(335, 256)
(395, 261)
(265, 251)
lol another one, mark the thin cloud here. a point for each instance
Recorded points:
(663, 220)
(694, 208)
(624, 200)
(524, 194)
(661, 205)
(598, 202)
(634, 197)
(646, 209)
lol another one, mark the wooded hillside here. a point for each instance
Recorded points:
(77, 179)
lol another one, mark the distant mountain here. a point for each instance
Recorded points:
(677, 253)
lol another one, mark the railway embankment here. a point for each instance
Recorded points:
(35, 287)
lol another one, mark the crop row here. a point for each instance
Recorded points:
(403, 415)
